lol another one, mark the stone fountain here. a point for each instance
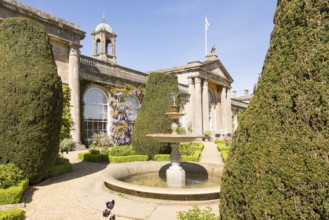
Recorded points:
(175, 174)
(163, 180)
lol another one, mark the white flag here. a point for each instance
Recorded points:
(206, 23)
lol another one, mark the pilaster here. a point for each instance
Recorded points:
(223, 129)
(190, 104)
(198, 107)
(205, 106)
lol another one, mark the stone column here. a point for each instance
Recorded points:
(223, 129)
(205, 106)
(197, 107)
(189, 106)
(217, 118)
(74, 84)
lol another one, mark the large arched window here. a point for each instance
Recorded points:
(134, 107)
(95, 112)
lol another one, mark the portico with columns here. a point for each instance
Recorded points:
(208, 107)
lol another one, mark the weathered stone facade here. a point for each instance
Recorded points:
(205, 87)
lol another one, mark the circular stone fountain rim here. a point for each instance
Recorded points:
(175, 138)
(109, 174)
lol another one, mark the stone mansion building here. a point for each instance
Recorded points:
(205, 86)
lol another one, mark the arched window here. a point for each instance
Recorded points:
(95, 112)
(134, 107)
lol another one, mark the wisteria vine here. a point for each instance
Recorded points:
(121, 130)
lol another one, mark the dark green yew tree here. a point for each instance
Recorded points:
(151, 117)
(279, 165)
(31, 98)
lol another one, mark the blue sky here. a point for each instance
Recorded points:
(159, 34)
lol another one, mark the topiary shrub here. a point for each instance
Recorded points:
(151, 117)
(278, 167)
(31, 98)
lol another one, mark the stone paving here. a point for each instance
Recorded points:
(81, 195)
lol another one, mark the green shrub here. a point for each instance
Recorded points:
(12, 214)
(93, 157)
(62, 165)
(102, 139)
(162, 157)
(10, 175)
(123, 150)
(219, 142)
(131, 158)
(190, 152)
(151, 117)
(278, 166)
(66, 145)
(13, 194)
(207, 133)
(197, 214)
(181, 130)
(94, 151)
(31, 98)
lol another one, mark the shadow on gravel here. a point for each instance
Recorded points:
(80, 169)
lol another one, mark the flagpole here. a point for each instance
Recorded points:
(206, 25)
(205, 40)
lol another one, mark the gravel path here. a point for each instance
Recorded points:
(55, 199)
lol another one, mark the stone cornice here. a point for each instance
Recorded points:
(55, 26)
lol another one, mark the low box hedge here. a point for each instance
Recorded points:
(63, 167)
(224, 149)
(197, 147)
(87, 156)
(162, 157)
(13, 194)
(130, 158)
(12, 214)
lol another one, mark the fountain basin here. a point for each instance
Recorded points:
(175, 138)
(113, 175)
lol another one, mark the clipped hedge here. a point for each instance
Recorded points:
(12, 214)
(13, 194)
(87, 156)
(191, 155)
(63, 166)
(224, 149)
(131, 158)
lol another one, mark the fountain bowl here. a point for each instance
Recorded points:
(113, 175)
(175, 138)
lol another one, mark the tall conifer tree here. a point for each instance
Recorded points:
(279, 165)
(31, 98)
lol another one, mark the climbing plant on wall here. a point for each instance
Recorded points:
(121, 130)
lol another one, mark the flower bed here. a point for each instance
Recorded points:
(13, 194)
(12, 214)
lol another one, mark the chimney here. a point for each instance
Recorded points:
(233, 94)
(246, 92)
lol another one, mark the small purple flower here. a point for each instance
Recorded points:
(106, 213)
(110, 205)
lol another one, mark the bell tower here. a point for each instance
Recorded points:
(104, 43)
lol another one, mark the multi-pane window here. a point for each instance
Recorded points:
(95, 112)
(134, 107)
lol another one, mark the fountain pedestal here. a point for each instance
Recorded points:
(175, 175)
